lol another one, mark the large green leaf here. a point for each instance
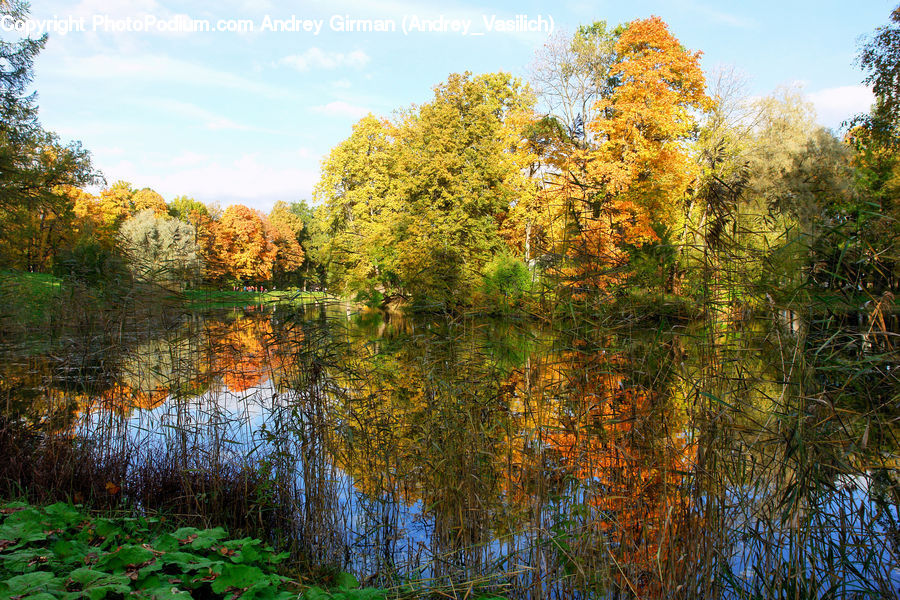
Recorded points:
(31, 583)
(237, 576)
(125, 556)
(346, 580)
(95, 585)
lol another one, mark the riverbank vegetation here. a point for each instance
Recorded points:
(60, 551)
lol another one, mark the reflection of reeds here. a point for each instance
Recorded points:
(787, 482)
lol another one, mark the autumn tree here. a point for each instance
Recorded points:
(242, 247)
(417, 207)
(641, 169)
(146, 198)
(89, 252)
(875, 140)
(880, 59)
(572, 73)
(86, 207)
(358, 190)
(463, 166)
(33, 162)
(115, 204)
(286, 228)
(202, 218)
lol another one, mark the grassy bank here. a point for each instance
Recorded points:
(203, 299)
(26, 298)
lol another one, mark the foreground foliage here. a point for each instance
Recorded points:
(60, 551)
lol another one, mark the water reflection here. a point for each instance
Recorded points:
(556, 462)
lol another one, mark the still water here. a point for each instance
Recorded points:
(636, 460)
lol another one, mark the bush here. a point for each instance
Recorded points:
(92, 265)
(506, 278)
(371, 298)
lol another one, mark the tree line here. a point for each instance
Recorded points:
(619, 169)
(135, 233)
(51, 223)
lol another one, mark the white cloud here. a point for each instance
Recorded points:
(209, 119)
(249, 179)
(188, 159)
(315, 58)
(339, 108)
(158, 68)
(835, 105)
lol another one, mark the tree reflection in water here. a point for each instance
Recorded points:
(462, 450)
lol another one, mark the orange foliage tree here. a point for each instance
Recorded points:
(285, 228)
(243, 247)
(640, 170)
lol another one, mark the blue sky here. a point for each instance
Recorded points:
(248, 116)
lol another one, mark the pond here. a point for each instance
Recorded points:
(548, 460)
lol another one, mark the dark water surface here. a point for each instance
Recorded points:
(637, 460)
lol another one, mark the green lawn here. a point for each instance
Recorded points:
(227, 298)
(26, 297)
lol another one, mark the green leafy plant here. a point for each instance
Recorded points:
(60, 551)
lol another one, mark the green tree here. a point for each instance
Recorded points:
(875, 139)
(464, 166)
(358, 190)
(312, 238)
(184, 208)
(161, 250)
(506, 279)
(880, 58)
(417, 207)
